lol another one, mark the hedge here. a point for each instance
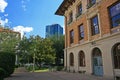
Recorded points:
(2, 73)
(7, 62)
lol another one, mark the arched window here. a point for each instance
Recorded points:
(71, 59)
(81, 59)
(96, 52)
(116, 56)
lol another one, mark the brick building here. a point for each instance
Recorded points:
(92, 36)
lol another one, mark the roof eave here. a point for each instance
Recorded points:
(63, 7)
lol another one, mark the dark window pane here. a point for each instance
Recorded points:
(81, 59)
(80, 9)
(81, 32)
(115, 20)
(117, 56)
(114, 10)
(71, 36)
(71, 59)
(119, 61)
(92, 1)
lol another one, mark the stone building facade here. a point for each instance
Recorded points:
(92, 36)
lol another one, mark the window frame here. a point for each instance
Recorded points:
(70, 17)
(93, 27)
(116, 57)
(71, 36)
(111, 17)
(90, 4)
(71, 59)
(78, 12)
(80, 32)
(82, 59)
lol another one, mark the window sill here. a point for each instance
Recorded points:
(71, 44)
(81, 41)
(69, 22)
(94, 37)
(78, 15)
(115, 29)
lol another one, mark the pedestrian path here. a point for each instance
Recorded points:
(23, 74)
(20, 70)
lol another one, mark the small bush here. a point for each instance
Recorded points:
(59, 68)
(30, 67)
(16, 66)
(7, 62)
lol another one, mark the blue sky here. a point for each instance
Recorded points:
(30, 16)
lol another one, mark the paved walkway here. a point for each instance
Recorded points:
(22, 74)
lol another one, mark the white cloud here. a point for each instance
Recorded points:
(5, 15)
(3, 22)
(22, 29)
(24, 7)
(3, 5)
(24, 4)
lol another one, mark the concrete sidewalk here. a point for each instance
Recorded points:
(24, 75)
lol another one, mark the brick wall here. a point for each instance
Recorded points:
(101, 7)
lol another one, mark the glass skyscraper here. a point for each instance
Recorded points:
(54, 30)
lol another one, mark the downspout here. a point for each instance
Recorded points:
(66, 39)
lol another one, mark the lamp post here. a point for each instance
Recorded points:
(17, 53)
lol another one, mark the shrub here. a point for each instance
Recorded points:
(16, 66)
(7, 62)
(2, 73)
(59, 68)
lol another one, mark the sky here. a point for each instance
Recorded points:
(30, 16)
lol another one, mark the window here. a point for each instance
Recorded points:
(79, 10)
(94, 25)
(91, 3)
(70, 18)
(115, 15)
(81, 59)
(71, 36)
(116, 55)
(71, 59)
(117, 78)
(81, 32)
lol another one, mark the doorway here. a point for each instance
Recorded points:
(97, 62)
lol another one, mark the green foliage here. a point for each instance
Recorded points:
(8, 40)
(2, 73)
(58, 45)
(30, 68)
(59, 68)
(36, 48)
(45, 52)
(7, 62)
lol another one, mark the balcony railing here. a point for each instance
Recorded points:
(89, 5)
(78, 14)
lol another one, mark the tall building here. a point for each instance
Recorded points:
(54, 30)
(92, 36)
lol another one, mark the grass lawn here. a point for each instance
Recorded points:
(42, 70)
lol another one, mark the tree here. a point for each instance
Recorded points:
(58, 45)
(24, 47)
(8, 40)
(38, 49)
(45, 53)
